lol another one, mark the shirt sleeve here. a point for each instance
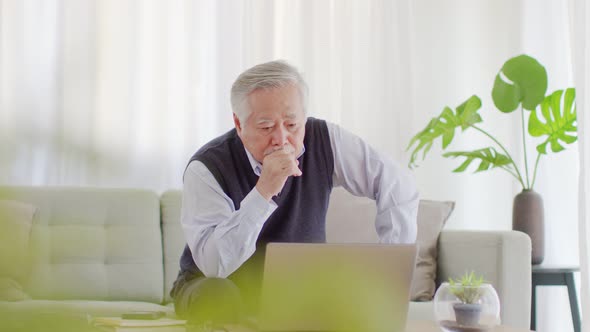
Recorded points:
(220, 238)
(363, 171)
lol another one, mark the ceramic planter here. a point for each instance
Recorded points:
(528, 217)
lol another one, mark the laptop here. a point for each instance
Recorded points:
(336, 287)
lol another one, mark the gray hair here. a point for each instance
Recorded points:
(269, 75)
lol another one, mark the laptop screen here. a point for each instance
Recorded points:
(336, 287)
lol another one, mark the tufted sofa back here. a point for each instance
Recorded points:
(125, 244)
(90, 243)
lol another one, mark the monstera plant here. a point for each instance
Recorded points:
(521, 86)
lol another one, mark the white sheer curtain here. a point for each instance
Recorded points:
(122, 92)
(580, 29)
(113, 93)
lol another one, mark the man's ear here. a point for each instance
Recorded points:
(237, 124)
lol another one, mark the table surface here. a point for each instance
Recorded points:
(411, 326)
(426, 326)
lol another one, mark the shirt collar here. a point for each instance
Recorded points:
(256, 166)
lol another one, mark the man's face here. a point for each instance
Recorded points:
(276, 121)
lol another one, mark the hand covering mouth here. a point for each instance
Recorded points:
(287, 148)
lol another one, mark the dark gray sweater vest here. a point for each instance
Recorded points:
(302, 205)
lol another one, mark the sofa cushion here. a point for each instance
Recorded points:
(16, 219)
(351, 219)
(432, 216)
(421, 311)
(93, 243)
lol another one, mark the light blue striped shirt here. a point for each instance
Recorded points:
(221, 238)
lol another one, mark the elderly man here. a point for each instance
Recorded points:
(269, 180)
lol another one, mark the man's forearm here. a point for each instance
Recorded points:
(363, 171)
(220, 237)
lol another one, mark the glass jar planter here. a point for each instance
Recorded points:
(482, 312)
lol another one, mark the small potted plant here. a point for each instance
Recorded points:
(467, 303)
(468, 290)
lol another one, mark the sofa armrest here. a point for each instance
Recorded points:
(502, 257)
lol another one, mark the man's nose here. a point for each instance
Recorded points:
(279, 136)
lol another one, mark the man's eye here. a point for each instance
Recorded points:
(266, 128)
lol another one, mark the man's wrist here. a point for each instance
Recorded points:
(256, 202)
(265, 194)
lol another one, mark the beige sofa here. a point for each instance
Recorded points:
(108, 251)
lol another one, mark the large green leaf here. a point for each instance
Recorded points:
(489, 158)
(521, 79)
(444, 126)
(557, 123)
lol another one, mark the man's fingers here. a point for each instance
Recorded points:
(277, 167)
(284, 149)
(283, 162)
(287, 149)
(297, 170)
(292, 169)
